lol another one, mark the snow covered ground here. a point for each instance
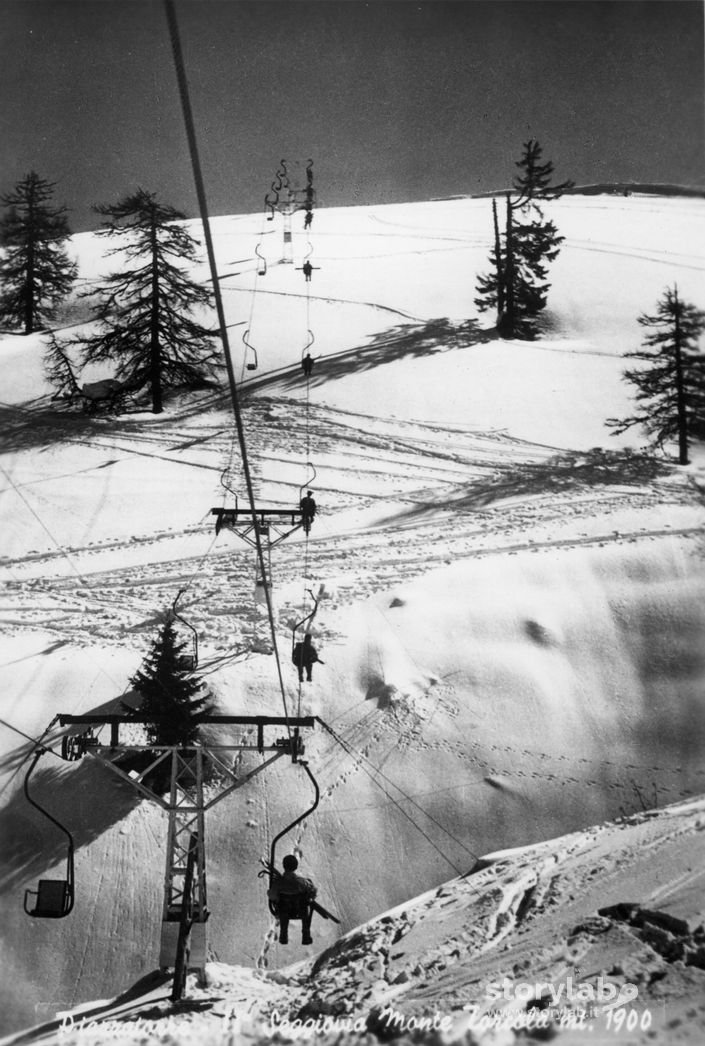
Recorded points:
(512, 622)
(537, 943)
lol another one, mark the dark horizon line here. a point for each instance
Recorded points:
(589, 189)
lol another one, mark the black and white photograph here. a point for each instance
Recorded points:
(352, 502)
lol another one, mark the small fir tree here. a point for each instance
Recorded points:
(144, 311)
(517, 285)
(534, 180)
(671, 391)
(36, 273)
(58, 369)
(172, 698)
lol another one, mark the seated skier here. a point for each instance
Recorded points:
(292, 896)
(304, 656)
(308, 510)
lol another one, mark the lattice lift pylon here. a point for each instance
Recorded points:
(184, 939)
(269, 526)
(286, 198)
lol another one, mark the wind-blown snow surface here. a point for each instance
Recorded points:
(512, 623)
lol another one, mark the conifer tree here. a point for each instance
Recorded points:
(517, 285)
(671, 391)
(172, 697)
(144, 311)
(58, 369)
(36, 273)
(534, 180)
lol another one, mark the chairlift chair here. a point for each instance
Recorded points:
(252, 365)
(295, 906)
(306, 358)
(262, 267)
(271, 865)
(53, 897)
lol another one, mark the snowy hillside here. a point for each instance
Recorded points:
(548, 940)
(512, 620)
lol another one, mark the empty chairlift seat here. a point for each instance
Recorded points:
(54, 899)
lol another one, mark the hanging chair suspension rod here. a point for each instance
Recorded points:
(41, 809)
(45, 813)
(310, 616)
(177, 617)
(203, 207)
(303, 816)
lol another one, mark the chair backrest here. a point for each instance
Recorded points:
(53, 899)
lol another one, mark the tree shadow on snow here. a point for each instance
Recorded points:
(84, 796)
(42, 423)
(45, 423)
(574, 470)
(405, 341)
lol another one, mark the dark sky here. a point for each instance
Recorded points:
(394, 100)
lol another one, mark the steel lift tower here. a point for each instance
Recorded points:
(173, 776)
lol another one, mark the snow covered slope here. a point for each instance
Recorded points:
(596, 936)
(512, 623)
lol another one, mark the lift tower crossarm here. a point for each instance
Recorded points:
(227, 515)
(115, 720)
(189, 767)
(92, 718)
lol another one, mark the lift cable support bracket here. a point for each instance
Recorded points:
(239, 520)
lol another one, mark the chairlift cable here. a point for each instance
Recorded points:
(307, 441)
(227, 489)
(199, 568)
(59, 547)
(184, 588)
(308, 456)
(44, 527)
(253, 299)
(361, 757)
(39, 743)
(203, 208)
(36, 742)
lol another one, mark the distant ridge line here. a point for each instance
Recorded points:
(605, 189)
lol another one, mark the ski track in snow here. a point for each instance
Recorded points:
(447, 500)
(397, 499)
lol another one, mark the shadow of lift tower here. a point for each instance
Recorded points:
(184, 936)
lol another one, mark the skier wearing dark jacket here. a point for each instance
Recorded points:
(292, 896)
(308, 510)
(304, 656)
